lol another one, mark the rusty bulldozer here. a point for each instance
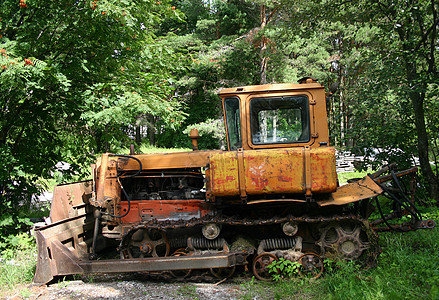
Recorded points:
(273, 194)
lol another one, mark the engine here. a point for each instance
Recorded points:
(165, 185)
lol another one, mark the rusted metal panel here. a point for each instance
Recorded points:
(164, 210)
(207, 261)
(224, 174)
(159, 161)
(67, 196)
(107, 187)
(275, 201)
(353, 192)
(323, 171)
(274, 171)
(43, 272)
(63, 261)
(398, 174)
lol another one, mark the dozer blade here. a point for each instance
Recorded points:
(68, 197)
(72, 236)
(64, 247)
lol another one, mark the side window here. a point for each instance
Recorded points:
(280, 120)
(233, 122)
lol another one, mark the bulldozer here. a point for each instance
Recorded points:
(273, 194)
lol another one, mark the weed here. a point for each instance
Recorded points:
(90, 278)
(17, 263)
(283, 268)
(407, 268)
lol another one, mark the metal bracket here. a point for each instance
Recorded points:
(240, 156)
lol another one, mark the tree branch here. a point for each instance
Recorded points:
(432, 28)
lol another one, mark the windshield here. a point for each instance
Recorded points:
(233, 122)
(279, 120)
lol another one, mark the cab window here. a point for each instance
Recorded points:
(279, 120)
(233, 122)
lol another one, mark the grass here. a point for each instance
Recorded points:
(188, 290)
(408, 267)
(344, 177)
(17, 267)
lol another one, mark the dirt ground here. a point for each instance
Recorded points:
(132, 286)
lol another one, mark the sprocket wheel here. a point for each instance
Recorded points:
(145, 243)
(311, 265)
(346, 239)
(260, 266)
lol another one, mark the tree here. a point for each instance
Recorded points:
(408, 33)
(74, 76)
(386, 62)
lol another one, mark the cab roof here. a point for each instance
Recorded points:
(307, 83)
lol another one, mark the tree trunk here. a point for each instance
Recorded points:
(417, 99)
(151, 130)
(263, 47)
(138, 136)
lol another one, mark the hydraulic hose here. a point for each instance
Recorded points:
(418, 215)
(121, 186)
(384, 218)
(392, 196)
(413, 212)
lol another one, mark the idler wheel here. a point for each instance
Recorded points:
(311, 265)
(260, 266)
(290, 228)
(211, 231)
(350, 247)
(145, 243)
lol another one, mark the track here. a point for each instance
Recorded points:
(338, 237)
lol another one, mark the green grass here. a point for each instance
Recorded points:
(188, 290)
(17, 267)
(408, 268)
(344, 177)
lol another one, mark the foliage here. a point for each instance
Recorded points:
(407, 267)
(74, 78)
(283, 268)
(17, 263)
(344, 177)
(211, 132)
